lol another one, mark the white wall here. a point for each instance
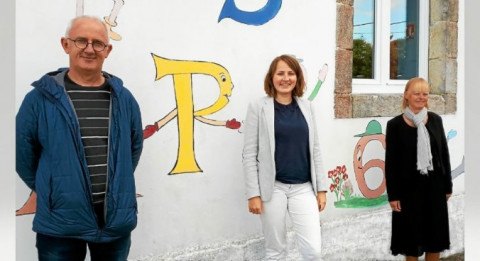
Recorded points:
(195, 209)
(7, 134)
(472, 128)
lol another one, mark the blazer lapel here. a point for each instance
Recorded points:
(269, 118)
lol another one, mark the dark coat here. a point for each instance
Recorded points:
(50, 159)
(395, 160)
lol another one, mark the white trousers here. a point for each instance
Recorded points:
(300, 202)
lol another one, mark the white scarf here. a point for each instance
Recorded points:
(424, 152)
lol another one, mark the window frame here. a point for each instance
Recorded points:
(381, 83)
(442, 66)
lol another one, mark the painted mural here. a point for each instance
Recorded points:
(369, 196)
(259, 17)
(181, 72)
(343, 187)
(322, 74)
(110, 20)
(208, 48)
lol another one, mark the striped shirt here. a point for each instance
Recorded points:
(92, 106)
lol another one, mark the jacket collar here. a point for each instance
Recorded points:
(52, 84)
(268, 104)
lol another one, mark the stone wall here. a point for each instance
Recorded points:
(442, 65)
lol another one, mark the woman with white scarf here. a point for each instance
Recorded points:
(418, 176)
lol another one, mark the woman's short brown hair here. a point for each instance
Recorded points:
(295, 66)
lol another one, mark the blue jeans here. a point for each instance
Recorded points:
(71, 249)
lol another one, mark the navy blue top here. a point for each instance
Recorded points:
(292, 156)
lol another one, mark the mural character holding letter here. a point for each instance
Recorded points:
(78, 141)
(282, 162)
(418, 177)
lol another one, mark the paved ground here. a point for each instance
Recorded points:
(456, 257)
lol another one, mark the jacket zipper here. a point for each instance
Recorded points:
(108, 156)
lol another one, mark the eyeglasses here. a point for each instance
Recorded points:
(82, 43)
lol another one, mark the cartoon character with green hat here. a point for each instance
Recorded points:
(373, 132)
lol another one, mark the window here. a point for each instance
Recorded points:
(380, 94)
(390, 44)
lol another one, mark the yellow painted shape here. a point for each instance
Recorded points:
(186, 156)
(175, 67)
(182, 77)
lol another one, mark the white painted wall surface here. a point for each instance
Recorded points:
(189, 211)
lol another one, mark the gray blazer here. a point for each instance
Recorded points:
(259, 148)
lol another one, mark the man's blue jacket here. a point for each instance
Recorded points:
(50, 159)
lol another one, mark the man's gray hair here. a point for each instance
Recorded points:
(69, 27)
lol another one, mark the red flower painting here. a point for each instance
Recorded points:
(340, 183)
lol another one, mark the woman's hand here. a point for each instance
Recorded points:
(255, 205)
(321, 200)
(395, 205)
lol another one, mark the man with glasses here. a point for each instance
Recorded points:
(79, 139)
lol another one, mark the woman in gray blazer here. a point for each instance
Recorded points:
(282, 162)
